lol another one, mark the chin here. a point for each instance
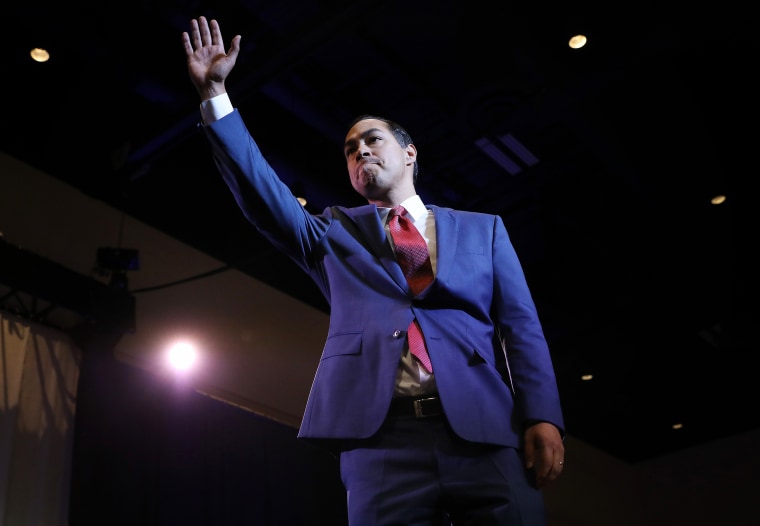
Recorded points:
(365, 179)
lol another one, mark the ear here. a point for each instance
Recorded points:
(411, 154)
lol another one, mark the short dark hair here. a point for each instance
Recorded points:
(402, 136)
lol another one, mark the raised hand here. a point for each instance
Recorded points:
(208, 62)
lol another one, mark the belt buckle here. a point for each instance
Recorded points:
(419, 411)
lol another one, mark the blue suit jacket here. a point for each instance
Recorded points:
(491, 360)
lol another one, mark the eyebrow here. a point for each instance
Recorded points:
(351, 142)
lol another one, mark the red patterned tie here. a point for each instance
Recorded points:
(414, 259)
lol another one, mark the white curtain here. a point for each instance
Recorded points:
(39, 371)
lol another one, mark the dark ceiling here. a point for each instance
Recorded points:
(613, 153)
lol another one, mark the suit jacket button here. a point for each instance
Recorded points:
(397, 334)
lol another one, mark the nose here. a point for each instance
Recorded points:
(362, 151)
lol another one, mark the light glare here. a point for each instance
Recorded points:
(39, 55)
(577, 41)
(182, 356)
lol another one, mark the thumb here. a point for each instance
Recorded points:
(234, 50)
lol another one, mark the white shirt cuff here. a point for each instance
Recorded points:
(215, 108)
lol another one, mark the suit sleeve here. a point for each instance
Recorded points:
(263, 198)
(519, 327)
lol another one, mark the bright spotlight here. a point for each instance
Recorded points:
(182, 356)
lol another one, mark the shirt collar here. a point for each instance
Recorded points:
(415, 207)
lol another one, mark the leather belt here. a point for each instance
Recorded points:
(424, 406)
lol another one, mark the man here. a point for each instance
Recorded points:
(475, 434)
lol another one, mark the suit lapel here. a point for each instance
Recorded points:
(372, 231)
(446, 230)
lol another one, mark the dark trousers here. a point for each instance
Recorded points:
(417, 472)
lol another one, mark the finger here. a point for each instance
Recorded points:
(553, 470)
(234, 47)
(205, 34)
(216, 34)
(559, 458)
(194, 39)
(547, 474)
(529, 454)
(186, 44)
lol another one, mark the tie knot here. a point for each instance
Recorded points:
(398, 210)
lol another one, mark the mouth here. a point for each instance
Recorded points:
(369, 160)
(364, 172)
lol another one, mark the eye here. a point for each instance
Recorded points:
(349, 151)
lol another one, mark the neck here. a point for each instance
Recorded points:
(392, 198)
